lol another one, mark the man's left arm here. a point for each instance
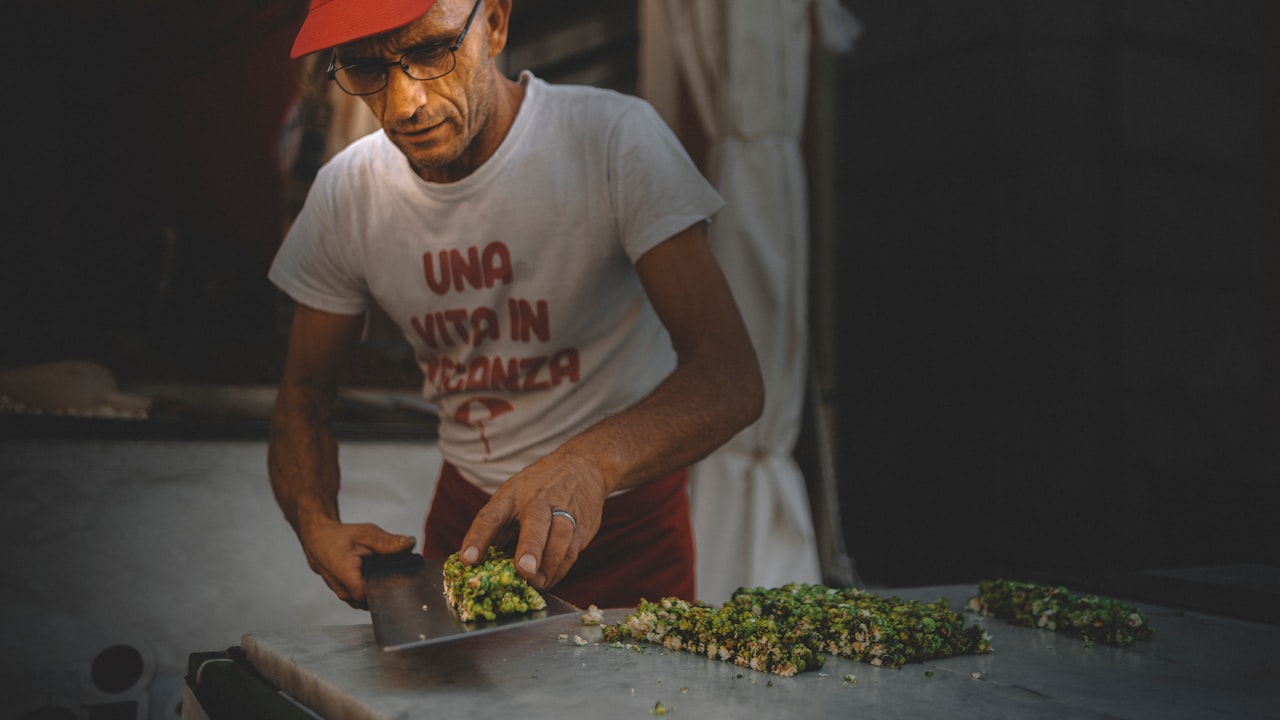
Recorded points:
(715, 391)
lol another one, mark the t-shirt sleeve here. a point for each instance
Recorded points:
(316, 265)
(656, 189)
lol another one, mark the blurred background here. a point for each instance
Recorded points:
(1043, 306)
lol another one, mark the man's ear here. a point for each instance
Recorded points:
(497, 15)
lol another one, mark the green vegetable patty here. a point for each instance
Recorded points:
(489, 589)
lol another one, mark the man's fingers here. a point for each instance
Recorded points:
(534, 527)
(560, 537)
(348, 586)
(506, 539)
(336, 551)
(566, 564)
(488, 524)
(547, 544)
(381, 542)
(370, 540)
(355, 598)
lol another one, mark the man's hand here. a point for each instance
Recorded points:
(548, 545)
(334, 551)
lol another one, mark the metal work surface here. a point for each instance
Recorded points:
(1198, 666)
(408, 608)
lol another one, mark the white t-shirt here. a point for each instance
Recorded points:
(515, 285)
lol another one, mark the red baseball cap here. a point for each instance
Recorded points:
(331, 23)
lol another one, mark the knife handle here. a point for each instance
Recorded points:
(401, 563)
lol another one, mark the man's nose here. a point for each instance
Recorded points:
(404, 94)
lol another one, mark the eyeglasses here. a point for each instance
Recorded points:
(425, 62)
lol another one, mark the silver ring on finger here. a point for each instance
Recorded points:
(566, 515)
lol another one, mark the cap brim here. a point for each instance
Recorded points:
(340, 21)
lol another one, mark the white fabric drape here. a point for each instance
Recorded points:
(744, 67)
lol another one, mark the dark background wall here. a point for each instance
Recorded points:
(141, 146)
(1056, 287)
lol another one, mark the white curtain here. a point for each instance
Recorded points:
(744, 68)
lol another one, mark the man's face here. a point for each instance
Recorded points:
(437, 123)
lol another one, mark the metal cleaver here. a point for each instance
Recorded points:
(405, 593)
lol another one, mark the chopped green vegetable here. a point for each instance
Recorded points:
(786, 630)
(1056, 609)
(488, 589)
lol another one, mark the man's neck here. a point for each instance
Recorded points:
(508, 97)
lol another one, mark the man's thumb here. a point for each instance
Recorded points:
(388, 543)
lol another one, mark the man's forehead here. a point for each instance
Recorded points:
(439, 24)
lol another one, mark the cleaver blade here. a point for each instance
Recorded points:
(407, 604)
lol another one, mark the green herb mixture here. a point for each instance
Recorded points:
(786, 630)
(1095, 619)
(488, 589)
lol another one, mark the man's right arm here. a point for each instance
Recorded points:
(302, 454)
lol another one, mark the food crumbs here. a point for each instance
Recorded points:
(577, 640)
(851, 679)
(684, 690)
(929, 673)
(975, 676)
(593, 616)
(660, 709)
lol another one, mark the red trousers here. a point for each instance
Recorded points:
(644, 548)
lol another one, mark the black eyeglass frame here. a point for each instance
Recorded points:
(333, 69)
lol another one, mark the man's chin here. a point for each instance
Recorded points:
(433, 153)
(428, 159)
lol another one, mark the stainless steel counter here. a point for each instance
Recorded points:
(1198, 666)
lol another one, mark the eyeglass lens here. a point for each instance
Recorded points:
(426, 63)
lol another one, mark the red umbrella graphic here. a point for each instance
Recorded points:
(478, 411)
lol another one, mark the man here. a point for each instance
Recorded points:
(542, 249)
